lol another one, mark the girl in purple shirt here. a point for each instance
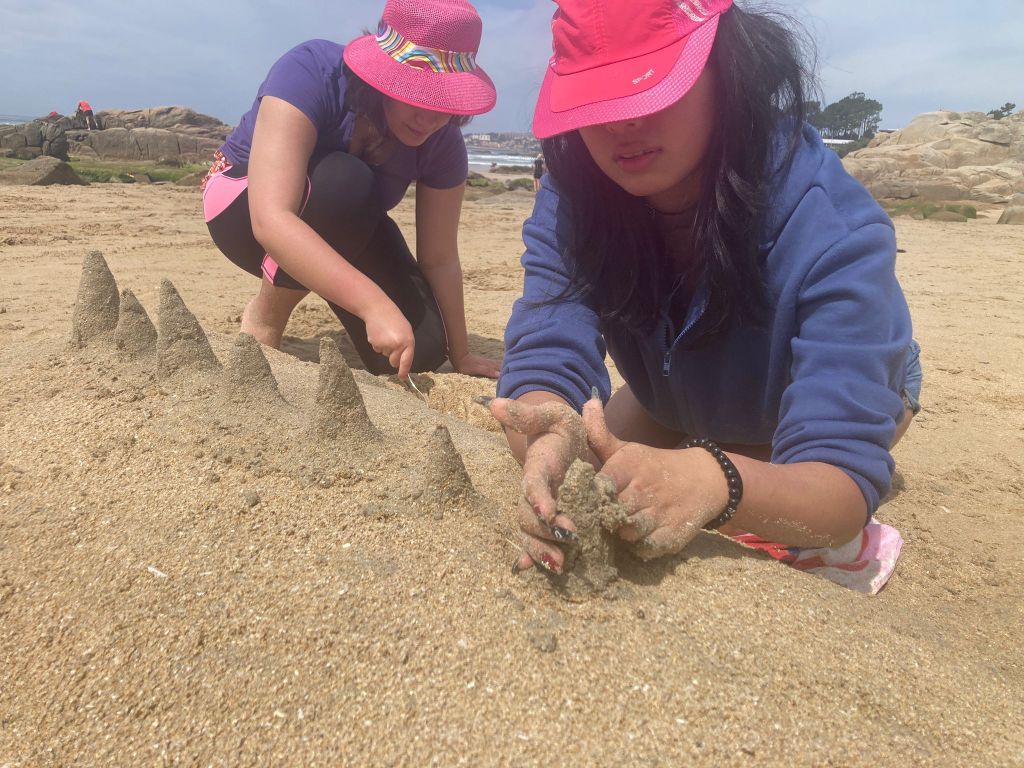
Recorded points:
(299, 192)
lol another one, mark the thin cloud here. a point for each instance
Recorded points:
(913, 56)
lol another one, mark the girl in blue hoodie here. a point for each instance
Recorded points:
(694, 228)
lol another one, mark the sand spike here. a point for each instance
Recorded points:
(339, 411)
(181, 340)
(135, 334)
(248, 378)
(446, 481)
(96, 308)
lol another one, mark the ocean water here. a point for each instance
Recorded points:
(15, 119)
(482, 160)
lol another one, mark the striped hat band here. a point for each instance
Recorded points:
(420, 56)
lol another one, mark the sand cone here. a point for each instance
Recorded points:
(96, 308)
(248, 378)
(181, 341)
(339, 412)
(135, 334)
(447, 483)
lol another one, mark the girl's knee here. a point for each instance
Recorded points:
(431, 345)
(432, 359)
(341, 195)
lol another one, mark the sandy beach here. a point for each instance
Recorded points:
(190, 579)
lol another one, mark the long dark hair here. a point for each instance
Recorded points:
(761, 65)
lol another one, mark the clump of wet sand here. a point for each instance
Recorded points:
(589, 500)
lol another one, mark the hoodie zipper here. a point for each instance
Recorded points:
(666, 363)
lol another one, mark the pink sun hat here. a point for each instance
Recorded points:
(424, 54)
(617, 60)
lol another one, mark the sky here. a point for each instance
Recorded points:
(911, 55)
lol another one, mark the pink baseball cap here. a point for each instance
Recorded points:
(424, 54)
(616, 60)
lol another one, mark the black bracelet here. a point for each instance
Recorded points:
(732, 477)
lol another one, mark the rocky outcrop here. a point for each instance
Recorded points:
(167, 134)
(36, 139)
(160, 134)
(1014, 213)
(156, 144)
(175, 119)
(41, 172)
(944, 156)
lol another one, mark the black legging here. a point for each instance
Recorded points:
(342, 207)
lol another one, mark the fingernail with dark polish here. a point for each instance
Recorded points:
(484, 400)
(564, 534)
(594, 394)
(516, 568)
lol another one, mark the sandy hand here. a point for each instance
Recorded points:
(390, 334)
(669, 494)
(555, 438)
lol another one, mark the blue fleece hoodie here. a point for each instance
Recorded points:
(820, 381)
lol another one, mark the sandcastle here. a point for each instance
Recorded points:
(334, 431)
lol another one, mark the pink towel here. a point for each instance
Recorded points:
(864, 564)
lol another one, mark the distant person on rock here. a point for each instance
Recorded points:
(84, 113)
(693, 226)
(300, 191)
(538, 172)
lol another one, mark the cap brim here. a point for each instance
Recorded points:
(456, 93)
(608, 94)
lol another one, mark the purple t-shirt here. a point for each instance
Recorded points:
(310, 78)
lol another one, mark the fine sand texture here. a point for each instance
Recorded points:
(215, 554)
